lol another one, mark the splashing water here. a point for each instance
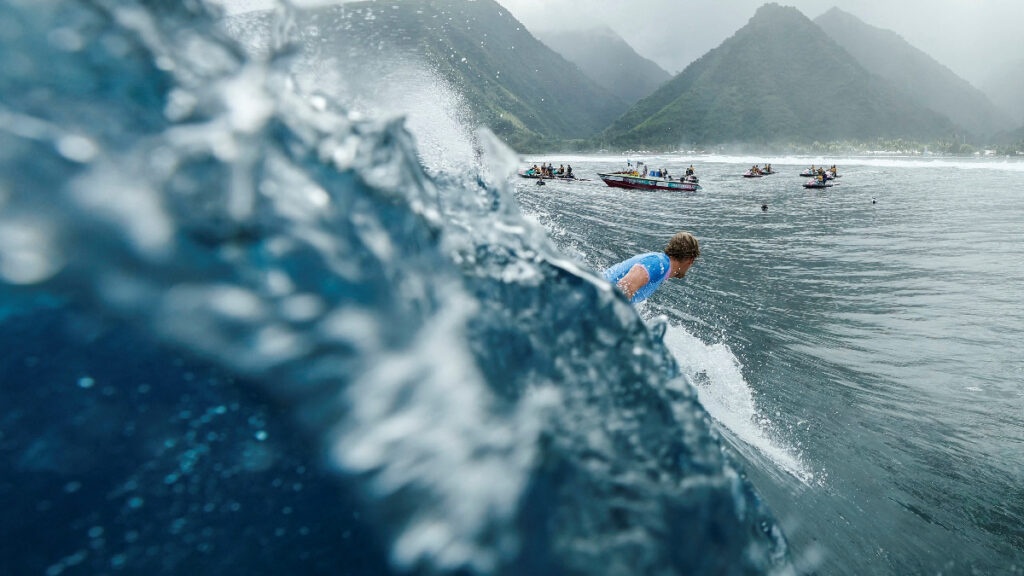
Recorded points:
(728, 398)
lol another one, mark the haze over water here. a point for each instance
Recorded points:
(863, 358)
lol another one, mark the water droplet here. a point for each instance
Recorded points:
(77, 148)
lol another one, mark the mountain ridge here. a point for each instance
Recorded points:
(605, 57)
(887, 54)
(523, 90)
(767, 83)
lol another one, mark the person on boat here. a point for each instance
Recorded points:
(568, 171)
(561, 169)
(833, 171)
(689, 171)
(665, 174)
(639, 276)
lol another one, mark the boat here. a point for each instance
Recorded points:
(636, 181)
(814, 184)
(752, 174)
(828, 175)
(537, 176)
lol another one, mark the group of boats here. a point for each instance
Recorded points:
(636, 177)
(640, 177)
(821, 177)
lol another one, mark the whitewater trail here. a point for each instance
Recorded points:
(726, 395)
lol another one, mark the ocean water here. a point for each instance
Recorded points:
(248, 328)
(859, 347)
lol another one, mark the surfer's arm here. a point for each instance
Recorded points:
(635, 279)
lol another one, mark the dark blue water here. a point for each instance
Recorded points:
(245, 329)
(859, 346)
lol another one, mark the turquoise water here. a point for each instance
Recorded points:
(859, 347)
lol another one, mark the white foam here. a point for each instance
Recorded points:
(729, 400)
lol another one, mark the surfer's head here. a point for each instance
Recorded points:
(682, 249)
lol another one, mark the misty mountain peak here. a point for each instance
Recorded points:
(754, 87)
(774, 11)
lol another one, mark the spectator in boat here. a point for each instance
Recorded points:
(665, 174)
(689, 171)
(568, 171)
(561, 169)
(639, 276)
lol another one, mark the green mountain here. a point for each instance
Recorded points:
(888, 55)
(529, 95)
(608, 60)
(779, 79)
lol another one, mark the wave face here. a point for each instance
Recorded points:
(483, 404)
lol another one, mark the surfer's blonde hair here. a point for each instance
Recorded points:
(683, 246)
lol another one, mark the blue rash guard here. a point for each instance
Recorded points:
(657, 265)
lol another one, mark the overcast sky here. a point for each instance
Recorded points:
(969, 36)
(972, 37)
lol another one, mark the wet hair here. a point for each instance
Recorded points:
(682, 246)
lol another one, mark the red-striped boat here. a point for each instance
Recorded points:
(634, 180)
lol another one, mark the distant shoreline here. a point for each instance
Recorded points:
(866, 149)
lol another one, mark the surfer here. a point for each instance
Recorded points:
(641, 275)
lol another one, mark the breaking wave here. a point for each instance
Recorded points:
(490, 405)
